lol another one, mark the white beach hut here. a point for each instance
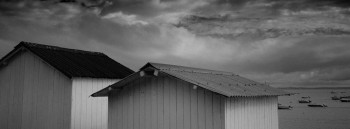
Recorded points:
(162, 96)
(48, 87)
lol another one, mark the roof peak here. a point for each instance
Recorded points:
(51, 47)
(223, 83)
(72, 62)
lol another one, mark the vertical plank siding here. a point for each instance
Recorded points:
(251, 113)
(11, 88)
(164, 103)
(89, 112)
(33, 95)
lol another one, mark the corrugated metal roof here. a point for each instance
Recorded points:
(224, 83)
(76, 63)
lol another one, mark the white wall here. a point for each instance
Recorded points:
(251, 113)
(89, 112)
(33, 95)
(169, 103)
(165, 103)
(11, 92)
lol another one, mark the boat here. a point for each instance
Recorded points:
(305, 97)
(304, 101)
(335, 98)
(284, 107)
(317, 105)
(333, 92)
(345, 100)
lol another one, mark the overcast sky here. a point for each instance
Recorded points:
(284, 42)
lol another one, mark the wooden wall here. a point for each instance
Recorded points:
(251, 113)
(89, 112)
(165, 103)
(33, 95)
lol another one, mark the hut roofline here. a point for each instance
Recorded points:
(225, 83)
(73, 62)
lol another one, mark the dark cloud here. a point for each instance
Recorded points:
(144, 8)
(295, 42)
(311, 4)
(152, 8)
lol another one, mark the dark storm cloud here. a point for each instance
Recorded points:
(152, 8)
(296, 5)
(122, 35)
(286, 41)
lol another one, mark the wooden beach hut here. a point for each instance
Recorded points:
(162, 96)
(48, 87)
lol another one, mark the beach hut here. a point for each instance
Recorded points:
(48, 87)
(162, 96)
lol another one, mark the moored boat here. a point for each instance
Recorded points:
(317, 105)
(345, 100)
(304, 101)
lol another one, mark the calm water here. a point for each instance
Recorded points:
(335, 116)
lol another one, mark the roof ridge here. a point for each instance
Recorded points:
(191, 69)
(203, 72)
(215, 81)
(57, 48)
(72, 62)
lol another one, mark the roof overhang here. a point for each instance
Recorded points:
(8, 56)
(119, 85)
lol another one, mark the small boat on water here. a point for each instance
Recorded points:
(345, 100)
(304, 101)
(335, 98)
(317, 105)
(305, 97)
(333, 92)
(284, 107)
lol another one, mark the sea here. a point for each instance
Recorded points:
(335, 116)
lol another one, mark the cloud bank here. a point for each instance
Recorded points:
(286, 43)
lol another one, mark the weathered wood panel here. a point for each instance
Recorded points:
(34, 95)
(251, 113)
(89, 112)
(194, 107)
(11, 90)
(160, 102)
(182, 105)
(166, 103)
